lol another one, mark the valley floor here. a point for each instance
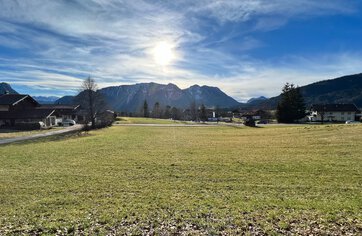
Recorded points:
(185, 180)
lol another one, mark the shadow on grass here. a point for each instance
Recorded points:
(120, 119)
(245, 127)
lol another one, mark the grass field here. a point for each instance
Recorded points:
(185, 180)
(141, 120)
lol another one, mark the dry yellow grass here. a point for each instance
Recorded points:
(192, 180)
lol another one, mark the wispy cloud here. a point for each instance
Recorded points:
(52, 45)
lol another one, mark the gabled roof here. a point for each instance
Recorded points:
(13, 99)
(26, 114)
(334, 107)
(58, 107)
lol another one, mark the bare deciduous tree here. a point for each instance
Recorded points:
(90, 99)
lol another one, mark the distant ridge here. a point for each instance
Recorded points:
(6, 88)
(258, 99)
(345, 89)
(130, 98)
(45, 99)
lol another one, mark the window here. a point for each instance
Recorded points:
(349, 113)
(342, 113)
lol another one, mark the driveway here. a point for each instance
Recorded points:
(35, 136)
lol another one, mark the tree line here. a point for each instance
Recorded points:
(291, 107)
(194, 113)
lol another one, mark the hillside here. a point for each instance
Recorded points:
(257, 99)
(346, 89)
(130, 98)
(65, 100)
(6, 88)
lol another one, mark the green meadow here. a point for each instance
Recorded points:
(185, 181)
(141, 120)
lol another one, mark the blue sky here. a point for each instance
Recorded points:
(247, 48)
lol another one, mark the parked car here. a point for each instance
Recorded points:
(352, 122)
(67, 122)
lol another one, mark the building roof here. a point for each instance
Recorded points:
(13, 99)
(27, 114)
(58, 107)
(334, 107)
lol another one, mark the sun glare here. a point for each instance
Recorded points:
(163, 53)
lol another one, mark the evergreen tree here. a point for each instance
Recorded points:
(156, 112)
(291, 106)
(167, 113)
(193, 110)
(145, 109)
(175, 114)
(203, 115)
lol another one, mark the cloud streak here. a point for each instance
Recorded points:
(51, 46)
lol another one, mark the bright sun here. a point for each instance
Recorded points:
(163, 53)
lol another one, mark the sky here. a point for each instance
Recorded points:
(247, 48)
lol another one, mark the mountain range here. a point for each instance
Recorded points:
(130, 98)
(346, 89)
(45, 99)
(257, 100)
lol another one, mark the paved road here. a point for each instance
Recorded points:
(35, 136)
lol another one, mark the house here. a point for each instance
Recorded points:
(16, 109)
(106, 117)
(66, 112)
(333, 112)
(22, 111)
(256, 115)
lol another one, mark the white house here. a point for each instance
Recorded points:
(333, 112)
